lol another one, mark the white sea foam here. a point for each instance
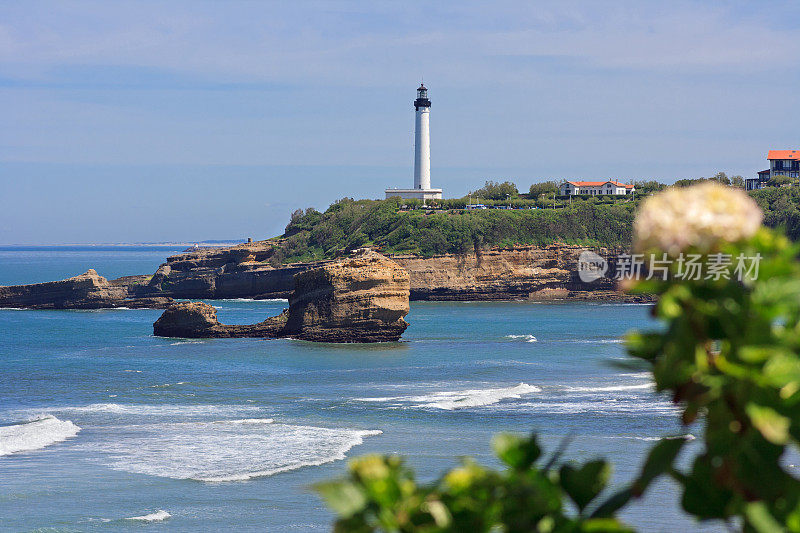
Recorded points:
(526, 338)
(601, 407)
(165, 385)
(157, 516)
(687, 437)
(595, 341)
(185, 342)
(160, 410)
(249, 421)
(611, 388)
(35, 434)
(459, 399)
(224, 450)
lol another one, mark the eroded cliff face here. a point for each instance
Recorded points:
(522, 272)
(85, 291)
(241, 271)
(360, 299)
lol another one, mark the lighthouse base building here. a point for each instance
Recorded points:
(422, 154)
(419, 194)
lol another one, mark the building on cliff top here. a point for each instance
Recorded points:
(422, 153)
(593, 188)
(781, 163)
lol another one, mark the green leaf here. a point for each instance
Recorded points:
(701, 496)
(760, 518)
(585, 483)
(604, 525)
(517, 452)
(613, 504)
(659, 461)
(344, 497)
(644, 345)
(773, 426)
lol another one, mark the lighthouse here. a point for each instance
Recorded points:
(422, 140)
(422, 153)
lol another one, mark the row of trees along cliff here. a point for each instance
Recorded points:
(539, 218)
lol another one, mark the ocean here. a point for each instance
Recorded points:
(104, 427)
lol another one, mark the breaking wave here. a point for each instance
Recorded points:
(157, 516)
(612, 388)
(526, 338)
(460, 399)
(225, 450)
(35, 434)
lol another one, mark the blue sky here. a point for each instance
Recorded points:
(154, 121)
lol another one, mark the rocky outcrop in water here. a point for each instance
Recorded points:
(86, 291)
(364, 298)
(199, 320)
(360, 299)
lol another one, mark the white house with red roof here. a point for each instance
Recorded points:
(781, 163)
(784, 163)
(595, 188)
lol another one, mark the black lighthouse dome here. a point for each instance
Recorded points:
(422, 97)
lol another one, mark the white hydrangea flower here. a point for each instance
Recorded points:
(699, 216)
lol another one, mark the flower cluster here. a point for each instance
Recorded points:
(697, 217)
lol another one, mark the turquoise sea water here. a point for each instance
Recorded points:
(101, 422)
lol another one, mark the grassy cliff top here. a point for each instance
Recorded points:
(403, 227)
(385, 224)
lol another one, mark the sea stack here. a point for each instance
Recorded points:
(359, 299)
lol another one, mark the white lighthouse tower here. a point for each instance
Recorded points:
(422, 153)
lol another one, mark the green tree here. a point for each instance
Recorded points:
(547, 188)
(722, 178)
(648, 186)
(493, 190)
(780, 180)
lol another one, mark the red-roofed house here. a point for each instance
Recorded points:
(595, 188)
(781, 163)
(784, 163)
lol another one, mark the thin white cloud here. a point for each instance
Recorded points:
(328, 43)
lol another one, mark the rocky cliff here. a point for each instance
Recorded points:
(522, 272)
(361, 299)
(241, 271)
(245, 271)
(86, 291)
